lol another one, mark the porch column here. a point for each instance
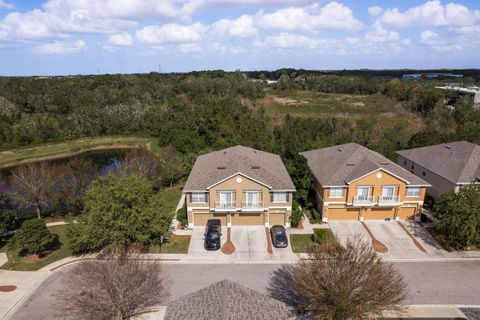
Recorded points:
(229, 220)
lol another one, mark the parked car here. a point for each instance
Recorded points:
(279, 236)
(213, 234)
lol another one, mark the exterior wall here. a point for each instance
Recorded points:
(239, 189)
(325, 204)
(439, 184)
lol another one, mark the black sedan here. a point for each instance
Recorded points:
(279, 236)
(213, 233)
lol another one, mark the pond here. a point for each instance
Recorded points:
(105, 162)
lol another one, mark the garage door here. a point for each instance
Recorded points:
(342, 214)
(200, 219)
(276, 218)
(241, 219)
(406, 213)
(378, 213)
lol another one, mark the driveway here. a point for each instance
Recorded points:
(250, 245)
(348, 230)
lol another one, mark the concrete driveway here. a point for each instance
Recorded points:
(397, 240)
(348, 230)
(250, 245)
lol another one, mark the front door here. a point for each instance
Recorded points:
(363, 193)
(253, 199)
(388, 192)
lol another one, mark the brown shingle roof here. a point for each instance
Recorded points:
(216, 166)
(227, 300)
(458, 161)
(338, 165)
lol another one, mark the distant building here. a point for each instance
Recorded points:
(431, 76)
(471, 90)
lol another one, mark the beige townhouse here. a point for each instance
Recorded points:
(352, 182)
(446, 166)
(239, 186)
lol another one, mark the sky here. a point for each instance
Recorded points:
(61, 37)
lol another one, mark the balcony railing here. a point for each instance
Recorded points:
(252, 205)
(363, 201)
(224, 205)
(388, 200)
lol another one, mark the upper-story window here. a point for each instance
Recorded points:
(336, 193)
(280, 197)
(413, 192)
(198, 197)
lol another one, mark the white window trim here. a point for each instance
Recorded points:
(336, 197)
(197, 193)
(273, 197)
(395, 188)
(364, 187)
(416, 196)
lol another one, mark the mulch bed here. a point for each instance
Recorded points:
(228, 247)
(377, 245)
(269, 241)
(7, 288)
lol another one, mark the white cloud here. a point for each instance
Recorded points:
(4, 5)
(171, 33)
(429, 37)
(435, 42)
(286, 40)
(332, 16)
(375, 11)
(193, 6)
(58, 47)
(190, 48)
(242, 27)
(431, 13)
(379, 34)
(120, 40)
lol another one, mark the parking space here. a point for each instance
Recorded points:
(196, 249)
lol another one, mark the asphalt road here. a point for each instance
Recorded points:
(429, 283)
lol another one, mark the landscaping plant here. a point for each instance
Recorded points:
(350, 282)
(112, 287)
(33, 237)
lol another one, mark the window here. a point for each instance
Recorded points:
(253, 198)
(336, 193)
(279, 197)
(413, 192)
(198, 197)
(226, 197)
(388, 192)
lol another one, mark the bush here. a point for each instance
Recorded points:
(33, 237)
(182, 216)
(297, 214)
(316, 216)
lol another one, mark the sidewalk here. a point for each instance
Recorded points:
(308, 227)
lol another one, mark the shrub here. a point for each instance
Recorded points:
(297, 214)
(316, 216)
(33, 237)
(182, 216)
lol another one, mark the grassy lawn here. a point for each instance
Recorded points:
(301, 242)
(314, 104)
(171, 196)
(176, 244)
(24, 263)
(61, 150)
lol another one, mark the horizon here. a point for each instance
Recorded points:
(64, 37)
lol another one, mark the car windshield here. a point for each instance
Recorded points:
(281, 237)
(213, 235)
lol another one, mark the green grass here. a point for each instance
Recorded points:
(46, 151)
(176, 244)
(170, 197)
(301, 242)
(25, 263)
(316, 104)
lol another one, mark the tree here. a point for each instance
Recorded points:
(297, 167)
(171, 165)
(33, 237)
(119, 211)
(112, 288)
(141, 163)
(8, 218)
(349, 282)
(458, 217)
(31, 186)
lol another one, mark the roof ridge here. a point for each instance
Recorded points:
(471, 159)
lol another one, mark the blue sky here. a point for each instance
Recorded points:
(123, 36)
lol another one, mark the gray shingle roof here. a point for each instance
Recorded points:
(338, 165)
(262, 166)
(227, 300)
(458, 161)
